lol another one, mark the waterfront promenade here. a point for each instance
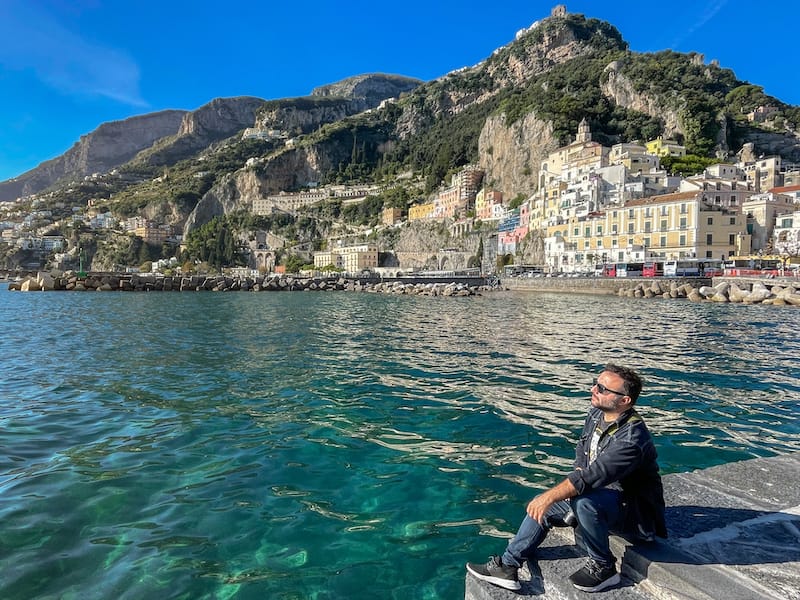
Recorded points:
(734, 534)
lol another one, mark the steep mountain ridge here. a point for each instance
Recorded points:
(504, 114)
(199, 129)
(109, 146)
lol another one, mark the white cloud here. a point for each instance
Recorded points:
(33, 40)
(710, 11)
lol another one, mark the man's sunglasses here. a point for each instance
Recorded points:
(603, 389)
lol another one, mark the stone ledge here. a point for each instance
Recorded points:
(734, 534)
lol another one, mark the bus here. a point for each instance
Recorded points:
(653, 268)
(606, 270)
(522, 270)
(693, 267)
(753, 266)
(629, 269)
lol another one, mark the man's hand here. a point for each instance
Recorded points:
(538, 507)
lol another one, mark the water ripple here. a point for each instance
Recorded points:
(296, 445)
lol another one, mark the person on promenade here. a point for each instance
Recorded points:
(615, 486)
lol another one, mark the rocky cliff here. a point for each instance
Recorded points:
(371, 88)
(621, 91)
(333, 102)
(211, 123)
(511, 154)
(109, 146)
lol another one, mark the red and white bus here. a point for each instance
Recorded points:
(653, 268)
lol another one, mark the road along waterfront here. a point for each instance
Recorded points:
(297, 445)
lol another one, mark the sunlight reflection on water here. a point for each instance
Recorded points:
(214, 445)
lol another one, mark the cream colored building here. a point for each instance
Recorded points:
(761, 211)
(352, 259)
(571, 162)
(328, 259)
(679, 225)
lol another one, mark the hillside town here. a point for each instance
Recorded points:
(597, 205)
(594, 205)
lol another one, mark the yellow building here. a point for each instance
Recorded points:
(420, 211)
(153, 234)
(662, 147)
(352, 259)
(678, 225)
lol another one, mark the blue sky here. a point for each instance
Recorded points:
(66, 66)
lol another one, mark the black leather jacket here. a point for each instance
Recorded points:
(626, 459)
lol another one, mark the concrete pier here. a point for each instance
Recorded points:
(734, 535)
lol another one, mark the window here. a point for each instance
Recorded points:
(647, 212)
(732, 239)
(663, 225)
(683, 209)
(733, 199)
(647, 227)
(682, 240)
(599, 243)
(630, 228)
(717, 199)
(709, 238)
(683, 222)
(599, 230)
(709, 254)
(575, 231)
(586, 244)
(710, 220)
(647, 242)
(587, 231)
(663, 241)
(614, 243)
(630, 213)
(733, 220)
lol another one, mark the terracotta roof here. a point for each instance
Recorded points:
(788, 188)
(676, 197)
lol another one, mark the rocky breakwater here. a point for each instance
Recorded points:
(777, 294)
(110, 282)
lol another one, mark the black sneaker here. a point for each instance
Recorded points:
(593, 576)
(496, 572)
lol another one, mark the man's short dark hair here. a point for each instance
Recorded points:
(633, 383)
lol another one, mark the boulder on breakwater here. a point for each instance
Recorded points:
(134, 282)
(725, 291)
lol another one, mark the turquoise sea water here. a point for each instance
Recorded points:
(338, 445)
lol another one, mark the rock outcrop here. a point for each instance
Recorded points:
(511, 154)
(213, 122)
(620, 90)
(371, 88)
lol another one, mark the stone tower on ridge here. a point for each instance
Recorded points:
(584, 132)
(559, 10)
